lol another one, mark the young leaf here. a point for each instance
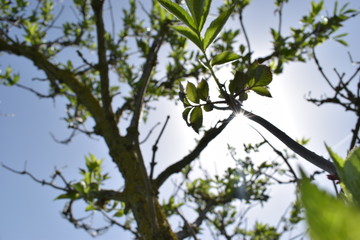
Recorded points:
(204, 15)
(224, 57)
(189, 34)
(262, 91)
(196, 8)
(203, 90)
(215, 27)
(262, 75)
(178, 12)
(196, 118)
(191, 93)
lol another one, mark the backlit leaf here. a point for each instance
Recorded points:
(215, 27)
(196, 118)
(189, 34)
(185, 115)
(196, 8)
(262, 91)
(262, 75)
(205, 14)
(203, 90)
(191, 93)
(224, 57)
(178, 12)
(328, 217)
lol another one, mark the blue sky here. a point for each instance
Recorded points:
(27, 209)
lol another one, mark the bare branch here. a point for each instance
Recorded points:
(103, 66)
(293, 145)
(209, 135)
(155, 148)
(145, 77)
(42, 182)
(279, 153)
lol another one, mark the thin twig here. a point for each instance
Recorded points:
(244, 30)
(279, 153)
(42, 182)
(150, 132)
(155, 148)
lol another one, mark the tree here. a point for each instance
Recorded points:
(97, 105)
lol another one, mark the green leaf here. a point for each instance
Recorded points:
(80, 187)
(262, 91)
(224, 57)
(238, 83)
(185, 115)
(205, 14)
(342, 42)
(90, 207)
(196, 8)
(215, 27)
(178, 12)
(203, 90)
(196, 118)
(262, 75)
(71, 195)
(349, 172)
(328, 217)
(189, 34)
(191, 93)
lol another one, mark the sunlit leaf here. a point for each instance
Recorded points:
(224, 57)
(196, 8)
(262, 91)
(189, 34)
(215, 27)
(178, 12)
(205, 14)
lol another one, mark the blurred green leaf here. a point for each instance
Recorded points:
(328, 217)
(349, 172)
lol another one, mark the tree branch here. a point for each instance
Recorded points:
(293, 145)
(204, 141)
(97, 6)
(145, 77)
(155, 148)
(64, 76)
